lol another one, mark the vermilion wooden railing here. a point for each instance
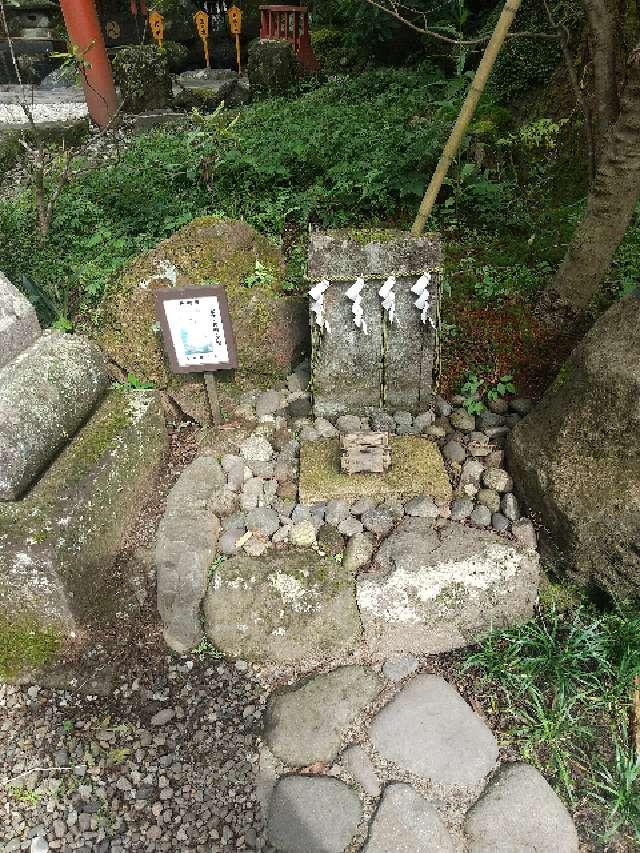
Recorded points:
(289, 23)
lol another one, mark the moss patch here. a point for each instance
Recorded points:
(24, 647)
(417, 468)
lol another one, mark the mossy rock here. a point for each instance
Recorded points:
(25, 647)
(142, 73)
(287, 606)
(270, 325)
(417, 468)
(272, 67)
(58, 544)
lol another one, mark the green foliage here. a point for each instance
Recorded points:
(564, 682)
(470, 390)
(261, 277)
(24, 795)
(133, 384)
(206, 650)
(502, 388)
(524, 64)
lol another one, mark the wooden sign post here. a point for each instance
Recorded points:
(156, 25)
(235, 25)
(201, 20)
(197, 333)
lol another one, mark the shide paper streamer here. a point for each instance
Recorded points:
(423, 302)
(317, 306)
(388, 297)
(355, 295)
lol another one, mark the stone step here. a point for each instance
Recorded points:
(58, 544)
(46, 393)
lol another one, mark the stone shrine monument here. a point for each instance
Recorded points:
(374, 317)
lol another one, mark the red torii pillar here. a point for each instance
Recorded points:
(85, 34)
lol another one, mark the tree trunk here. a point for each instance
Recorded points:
(604, 19)
(611, 202)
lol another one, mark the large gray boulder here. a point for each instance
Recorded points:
(575, 458)
(287, 606)
(186, 545)
(58, 544)
(434, 590)
(19, 327)
(520, 813)
(46, 393)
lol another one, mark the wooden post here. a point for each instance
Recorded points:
(212, 393)
(466, 113)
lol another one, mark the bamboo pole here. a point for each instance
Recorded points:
(466, 113)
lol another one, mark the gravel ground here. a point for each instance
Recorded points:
(124, 748)
(162, 763)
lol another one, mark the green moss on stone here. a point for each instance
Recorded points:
(417, 468)
(25, 646)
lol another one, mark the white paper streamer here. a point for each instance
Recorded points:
(355, 295)
(388, 297)
(423, 302)
(317, 305)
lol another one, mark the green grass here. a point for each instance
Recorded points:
(561, 687)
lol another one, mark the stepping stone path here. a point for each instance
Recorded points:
(423, 776)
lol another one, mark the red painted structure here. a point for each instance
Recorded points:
(289, 23)
(85, 34)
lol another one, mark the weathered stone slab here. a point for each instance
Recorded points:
(186, 545)
(520, 813)
(306, 725)
(312, 814)
(575, 459)
(19, 327)
(57, 545)
(286, 606)
(430, 591)
(46, 393)
(392, 365)
(429, 730)
(417, 468)
(406, 823)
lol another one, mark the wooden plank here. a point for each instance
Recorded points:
(362, 452)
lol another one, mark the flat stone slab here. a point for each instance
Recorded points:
(434, 590)
(417, 468)
(284, 606)
(306, 725)
(406, 823)
(429, 730)
(520, 813)
(19, 326)
(186, 545)
(46, 393)
(58, 544)
(312, 814)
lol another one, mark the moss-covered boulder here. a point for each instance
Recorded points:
(270, 325)
(57, 545)
(575, 459)
(142, 73)
(272, 67)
